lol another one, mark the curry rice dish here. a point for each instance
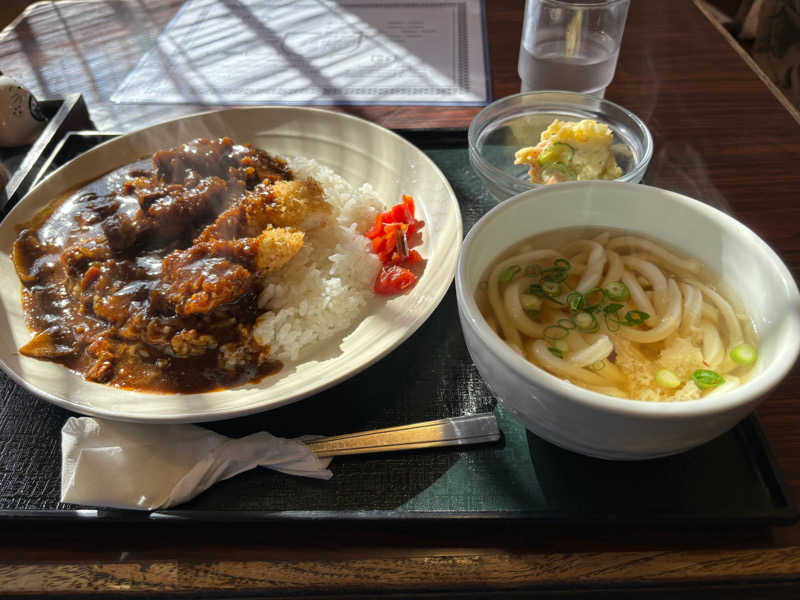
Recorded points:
(155, 284)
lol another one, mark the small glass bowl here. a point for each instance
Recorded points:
(514, 122)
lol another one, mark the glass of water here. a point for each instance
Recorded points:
(571, 44)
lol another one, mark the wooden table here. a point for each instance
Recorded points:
(720, 133)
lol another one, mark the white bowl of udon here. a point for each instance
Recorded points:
(623, 321)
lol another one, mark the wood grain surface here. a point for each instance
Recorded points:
(452, 572)
(721, 135)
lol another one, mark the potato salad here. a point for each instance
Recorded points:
(570, 151)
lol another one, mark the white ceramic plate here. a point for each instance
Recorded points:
(359, 151)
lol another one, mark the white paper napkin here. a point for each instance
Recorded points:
(145, 467)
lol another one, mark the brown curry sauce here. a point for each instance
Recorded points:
(117, 287)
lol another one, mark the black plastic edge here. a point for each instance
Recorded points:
(68, 114)
(756, 442)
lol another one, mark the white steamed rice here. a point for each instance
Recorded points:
(325, 288)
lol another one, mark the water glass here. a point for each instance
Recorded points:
(571, 44)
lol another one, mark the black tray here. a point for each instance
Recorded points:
(732, 480)
(26, 164)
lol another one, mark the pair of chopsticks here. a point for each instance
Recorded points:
(454, 431)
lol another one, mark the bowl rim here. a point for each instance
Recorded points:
(751, 392)
(505, 180)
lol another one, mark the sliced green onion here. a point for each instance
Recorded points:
(562, 263)
(635, 317)
(551, 288)
(632, 317)
(618, 291)
(566, 323)
(705, 378)
(613, 324)
(575, 300)
(598, 365)
(585, 322)
(536, 290)
(530, 302)
(509, 273)
(555, 332)
(556, 352)
(556, 274)
(744, 354)
(591, 299)
(561, 345)
(667, 379)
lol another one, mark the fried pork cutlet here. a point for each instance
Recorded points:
(299, 204)
(259, 233)
(213, 273)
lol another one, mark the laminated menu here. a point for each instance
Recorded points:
(315, 52)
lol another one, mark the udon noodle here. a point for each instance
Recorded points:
(619, 314)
